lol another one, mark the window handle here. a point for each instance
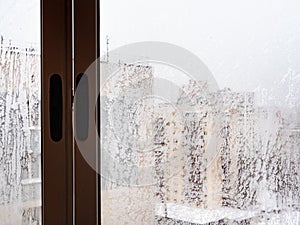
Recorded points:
(82, 107)
(55, 102)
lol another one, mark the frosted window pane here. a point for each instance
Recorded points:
(20, 100)
(176, 151)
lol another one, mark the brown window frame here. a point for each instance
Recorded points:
(69, 184)
(86, 51)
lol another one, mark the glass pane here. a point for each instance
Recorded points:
(200, 112)
(20, 129)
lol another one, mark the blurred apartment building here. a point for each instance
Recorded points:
(206, 150)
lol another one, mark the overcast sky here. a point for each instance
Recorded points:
(20, 20)
(246, 44)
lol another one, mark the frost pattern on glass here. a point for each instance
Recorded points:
(20, 155)
(209, 158)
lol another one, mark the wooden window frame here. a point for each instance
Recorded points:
(69, 184)
(86, 52)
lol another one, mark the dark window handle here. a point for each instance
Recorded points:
(56, 107)
(82, 107)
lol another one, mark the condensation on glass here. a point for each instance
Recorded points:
(210, 157)
(20, 100)
(175, 152)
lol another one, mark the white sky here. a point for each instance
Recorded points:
(246, 44)
(20, 21)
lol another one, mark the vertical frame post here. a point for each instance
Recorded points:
(85, 53)
(57, 152)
